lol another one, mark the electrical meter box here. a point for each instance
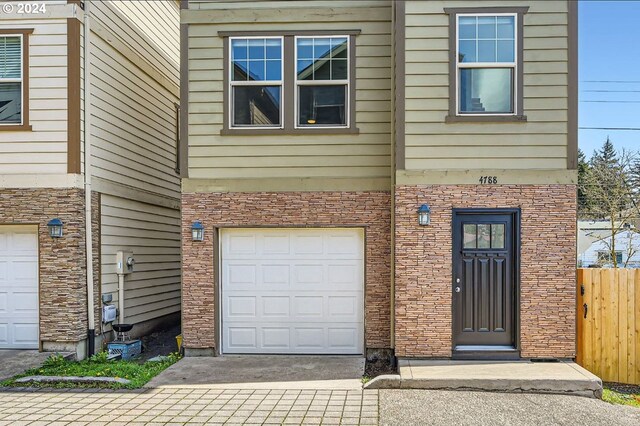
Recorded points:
(124, 262)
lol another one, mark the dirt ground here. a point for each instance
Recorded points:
(161, 342)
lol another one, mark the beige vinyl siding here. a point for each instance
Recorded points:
(44, 149)
(133, 115)
(149, 28)
(540, 143)
(152, 233)
(363, 155)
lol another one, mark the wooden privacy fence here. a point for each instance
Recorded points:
(608, 323)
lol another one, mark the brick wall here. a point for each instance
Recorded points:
(423, 257)
(63, 295)
(371, 210)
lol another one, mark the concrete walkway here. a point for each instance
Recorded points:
(13, 362)
(516, 376)
(264, 372)
(407, 407)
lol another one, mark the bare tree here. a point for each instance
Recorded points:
(608, 193)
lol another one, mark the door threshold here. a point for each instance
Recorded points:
(485, 352)
(495, 348)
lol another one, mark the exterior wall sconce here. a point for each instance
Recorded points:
(55, 228)
(424, 215)
(197, 231)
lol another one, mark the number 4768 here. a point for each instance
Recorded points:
(487, 180)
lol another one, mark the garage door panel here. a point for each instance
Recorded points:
(23, 242)
(242, 338)
(292, 291)
(24, 269)
(25, 334)
(241, 307)
(276, 307)
(276, 245)
(4, 335)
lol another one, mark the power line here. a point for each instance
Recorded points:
(611, 81)
(610, 91)
(611, 102)
(632, 129)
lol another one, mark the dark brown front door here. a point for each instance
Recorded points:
(484, 278)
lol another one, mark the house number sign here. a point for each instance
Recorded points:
(488, 180)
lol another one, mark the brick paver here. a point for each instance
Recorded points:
(174, 406)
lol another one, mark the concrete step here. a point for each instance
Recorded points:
(563, 377)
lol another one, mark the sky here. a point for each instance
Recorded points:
(609, 72)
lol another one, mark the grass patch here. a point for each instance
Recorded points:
(622, 398)
(96, 366)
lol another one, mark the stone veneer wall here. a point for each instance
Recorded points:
(62, 272)
(423, 257)
(370, 210)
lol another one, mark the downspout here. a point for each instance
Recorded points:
(91, 334)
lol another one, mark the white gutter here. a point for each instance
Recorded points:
(87, 179)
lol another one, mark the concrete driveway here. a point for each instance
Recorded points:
(434, 407)
(264, 372)
(14, 362)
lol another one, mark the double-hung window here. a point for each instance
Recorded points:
(486, 64)
(256, 82)
(11, 79)
(322, 81)
(289, 82)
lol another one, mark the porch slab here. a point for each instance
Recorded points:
(563, 377)
(264, 372)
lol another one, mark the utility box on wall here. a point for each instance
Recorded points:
(124, 262)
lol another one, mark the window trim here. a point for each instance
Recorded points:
(24, 52)
(289, 108)
(231, 83)
(454, 116)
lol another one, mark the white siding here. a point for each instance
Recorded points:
(152, 233)
(133, 115)
(43, 150)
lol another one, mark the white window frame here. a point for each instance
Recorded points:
(14, 80)
(345, 82)
(488, 65)
(233, 83)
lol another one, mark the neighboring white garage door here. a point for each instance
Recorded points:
(18, 288)
(292, 291)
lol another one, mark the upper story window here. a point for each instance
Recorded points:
(322, 81)
(256, 82)
(486, 67)
(11, 80)
(289, 82)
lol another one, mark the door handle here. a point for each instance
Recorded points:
(586, 309)
(457, 289)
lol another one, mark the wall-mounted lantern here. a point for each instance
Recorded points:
(55, 228)
(424, 215)
(197, 231)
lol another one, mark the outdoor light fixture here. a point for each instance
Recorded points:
(55, 228)
(197, 231)
(424, 215)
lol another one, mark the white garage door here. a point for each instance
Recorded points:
(18, 288)
(292, 291)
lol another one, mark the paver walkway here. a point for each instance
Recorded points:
(188, 406)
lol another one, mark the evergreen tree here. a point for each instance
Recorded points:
(583, 200)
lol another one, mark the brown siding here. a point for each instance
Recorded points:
(370, 210)
(424, 263)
